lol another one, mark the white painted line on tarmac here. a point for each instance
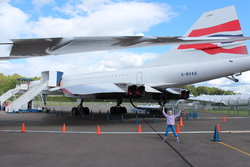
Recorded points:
(104, 132)
(10, 130)
(236, 131)
(227, 117)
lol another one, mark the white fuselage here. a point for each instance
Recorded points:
(164, 76)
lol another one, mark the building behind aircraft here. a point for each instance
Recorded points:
(227, 100)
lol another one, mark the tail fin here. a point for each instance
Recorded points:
(217, 23)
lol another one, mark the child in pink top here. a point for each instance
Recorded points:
(170, 123)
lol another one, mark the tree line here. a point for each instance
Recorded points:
(9, 82)
(196, 91)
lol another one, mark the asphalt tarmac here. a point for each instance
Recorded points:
(119, 143)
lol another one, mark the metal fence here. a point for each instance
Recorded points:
(238, 110)
(214, 107)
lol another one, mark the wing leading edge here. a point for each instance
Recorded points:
(22, 48)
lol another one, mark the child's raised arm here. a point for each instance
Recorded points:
(179, 113)
(163, 112)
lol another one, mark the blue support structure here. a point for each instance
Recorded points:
(187, 116)
(122, 118)
(137, 119)
(154, 120)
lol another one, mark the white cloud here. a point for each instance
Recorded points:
(120, 18)
(13, 22)
(245, 77)
(40, 3)
(238, 88)
(219, 82)
(93, 17)
(83, 7)
(77, 63)
(243, 89)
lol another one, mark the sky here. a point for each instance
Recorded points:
(67, 18)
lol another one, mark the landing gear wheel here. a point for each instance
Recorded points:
(118, 110)
(123, 110)
(74, 111)
(81, 110)
(112, 110)
(86, 111)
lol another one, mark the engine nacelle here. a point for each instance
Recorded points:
(136, 91)
(132, 90)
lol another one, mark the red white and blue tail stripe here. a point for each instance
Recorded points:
(222, 22)
(218, 23)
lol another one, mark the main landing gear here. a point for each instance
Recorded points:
(118, 108)
(80, 110)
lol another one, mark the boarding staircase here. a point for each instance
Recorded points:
(21, 102)
(10, 93)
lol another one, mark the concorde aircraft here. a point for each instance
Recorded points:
(214, 47)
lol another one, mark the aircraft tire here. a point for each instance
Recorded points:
(74, 111)
(113, 110)
(86, 111)
(123, 110)
(81, 110)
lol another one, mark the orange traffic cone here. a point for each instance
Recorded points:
(178, 131)
(218, 127)
(23, 128)
(223, 119)
(64, 128)
(98, 130)
(181, 123)
(139, 128)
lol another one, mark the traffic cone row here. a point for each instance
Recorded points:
(216, 137)
(217, 129)
(64, 128)
(139, 130)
